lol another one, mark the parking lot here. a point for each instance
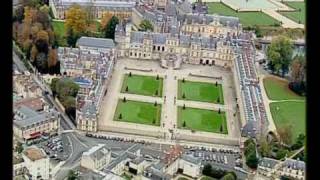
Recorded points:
(56, 148)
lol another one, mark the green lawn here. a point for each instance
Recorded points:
(202, 120)
(138, 112)
(290, 113)
(246, 18)
(143, 85)
(278, 89)
(296, 15)
(58, 27)
(200, 91)
(207, 178)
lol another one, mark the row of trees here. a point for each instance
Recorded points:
(80, 22)
(218, 173)
(33, 33)
(250, 153)
(66, 90)
(280, 54)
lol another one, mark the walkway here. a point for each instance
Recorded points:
(286, 22)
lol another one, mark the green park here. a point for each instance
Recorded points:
(142, 85)
(138, 112)
(246, 18)
(200, 91)
(299, 14)
(288, 108)
(202, 120)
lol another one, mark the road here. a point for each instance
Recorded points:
(66, 123)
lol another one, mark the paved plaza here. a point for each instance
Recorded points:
(169, 101)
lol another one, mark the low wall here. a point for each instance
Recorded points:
(117, 129)
(136, 69)
(213, 77)
(211, 140)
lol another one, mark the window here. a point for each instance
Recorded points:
(135, 54)
(162, 48)
(130, 53)
(154, 47)
(144, 55)
(158, 48)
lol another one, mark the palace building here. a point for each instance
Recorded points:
(119, 8)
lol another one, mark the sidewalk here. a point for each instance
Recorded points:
(286, 22)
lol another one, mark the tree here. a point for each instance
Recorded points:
(183, 80)
(52, 58)
(145, 25)
(264, 147)
(281, 153)
(279, 53)
(53, 85)
(221, 128)
(155, 103)
(298, 67)
(76, 19)
(41, 62)
(157, 77)
(216, 83)
(219, 111)
(229, 176)
(130, 74)
(120, 116)
(106, 17)
(127, 89)
(42, 41)
(72, 37)
(110, 27)
(66, 87)
(156, 93)
(299, 142)
(19, 148)
(285, 134)
(184, 106)
(154, 121)
(184, 124)
(218, 99)
(72, 175)
(207, 170)
(183, 96)
(252, 160)
(124, 99)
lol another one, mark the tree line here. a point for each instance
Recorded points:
(33, 33)
(281, 61)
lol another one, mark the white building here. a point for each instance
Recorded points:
(96, 157)
(37, 163)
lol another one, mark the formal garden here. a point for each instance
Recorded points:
(246, 18)
(142, 85)
(138, 112)
(200, 91)
(202, 120)
(299, 15)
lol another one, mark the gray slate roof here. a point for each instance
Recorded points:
(268, 162)
(32, 117)
(96, 42)
(191, 159)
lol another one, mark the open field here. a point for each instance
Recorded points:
(290, 113)
(138, 112)
(299, 14)
(202, 120)
(143, 85)
(200, 91)
(277, 89)
(246, 18)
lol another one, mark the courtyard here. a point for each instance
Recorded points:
(202, 120)
(143, 85)
(205, 95)
(138, 112)
(200, 91)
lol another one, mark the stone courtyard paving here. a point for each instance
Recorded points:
(169, 101)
